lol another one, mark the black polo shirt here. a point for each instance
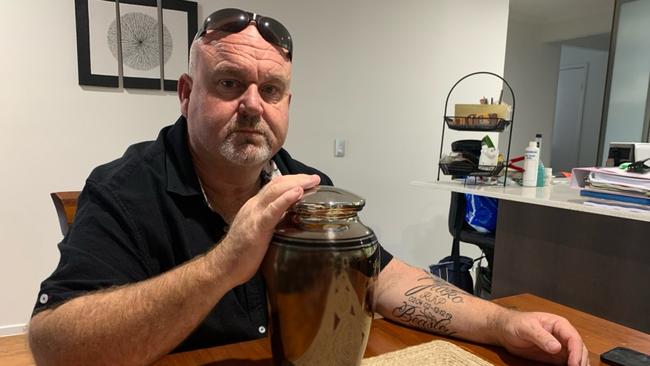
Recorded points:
(144, 214)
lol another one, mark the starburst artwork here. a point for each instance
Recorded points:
(140, 45)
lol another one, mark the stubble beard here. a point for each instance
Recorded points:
(247, 150)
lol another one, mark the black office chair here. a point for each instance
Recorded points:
(462, 232)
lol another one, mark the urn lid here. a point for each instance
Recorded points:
(327, 215)
(328, 199)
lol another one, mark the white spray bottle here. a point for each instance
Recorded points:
(531, 162)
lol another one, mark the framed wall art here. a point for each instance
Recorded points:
(143, 42)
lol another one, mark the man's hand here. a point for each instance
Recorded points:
(542, 337)
(252, 228)
(413, 297)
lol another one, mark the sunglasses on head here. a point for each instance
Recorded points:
(235, 20)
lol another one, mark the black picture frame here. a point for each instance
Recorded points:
(192, 27)
(86, 75)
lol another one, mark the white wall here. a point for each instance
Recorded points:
(597, 23)
(375, 74)
(53, 133)
(531, 68)
(594, 93)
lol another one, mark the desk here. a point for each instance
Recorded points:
(599, 335)
(552, 245)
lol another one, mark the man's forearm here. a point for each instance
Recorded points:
(130, 325)
(416, 298)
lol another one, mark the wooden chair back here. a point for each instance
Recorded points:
(65, 204)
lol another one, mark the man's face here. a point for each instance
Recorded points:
(237, 105)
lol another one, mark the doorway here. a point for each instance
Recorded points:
(569, 106)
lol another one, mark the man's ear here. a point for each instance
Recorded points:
(184, 91)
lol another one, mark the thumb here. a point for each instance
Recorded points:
(542, 338)
(274, 211)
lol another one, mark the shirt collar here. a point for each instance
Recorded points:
(181, 176)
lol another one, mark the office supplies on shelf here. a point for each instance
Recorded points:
(618, 206)
(641, 166)
(613, 178)
(614, 185)
(640, 200)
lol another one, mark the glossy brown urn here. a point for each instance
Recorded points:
(320, 272)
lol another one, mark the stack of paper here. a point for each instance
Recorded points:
(613, 184)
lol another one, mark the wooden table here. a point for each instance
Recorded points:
(599, 335)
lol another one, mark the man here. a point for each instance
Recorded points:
(140, 274)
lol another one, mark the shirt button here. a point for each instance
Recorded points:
(262, 329)
(43, 299)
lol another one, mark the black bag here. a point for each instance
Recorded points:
(461, 278)
(483, 286)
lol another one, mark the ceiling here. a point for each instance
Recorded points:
(596, 41)
(550, 11)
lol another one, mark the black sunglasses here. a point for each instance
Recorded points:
(235, 20)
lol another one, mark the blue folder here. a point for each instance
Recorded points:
(616, 197)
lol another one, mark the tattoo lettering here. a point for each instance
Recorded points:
(424, 318)
(438, 288)
(422, 307)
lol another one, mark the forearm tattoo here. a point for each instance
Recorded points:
(425, 307)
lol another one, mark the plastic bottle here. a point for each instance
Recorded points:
(540, 174)
(531, 162)
(548, 176)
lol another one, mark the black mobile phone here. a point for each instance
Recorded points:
(621, 356)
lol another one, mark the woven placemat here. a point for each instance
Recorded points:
(431, 353)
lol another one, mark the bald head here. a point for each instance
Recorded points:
(248, 41)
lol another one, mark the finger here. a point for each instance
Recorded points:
(575, 355)
(277, 187)
(570, 337)
(274, 210)
(535, 333)
(585, 356)
(304, 180)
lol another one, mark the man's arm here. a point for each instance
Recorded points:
(138, 323)
(134, 324)
(413, 297)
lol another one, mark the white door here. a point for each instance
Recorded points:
(568, 117)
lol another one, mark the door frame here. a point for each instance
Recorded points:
(645, 135)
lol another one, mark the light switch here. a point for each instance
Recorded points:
(339, 148)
